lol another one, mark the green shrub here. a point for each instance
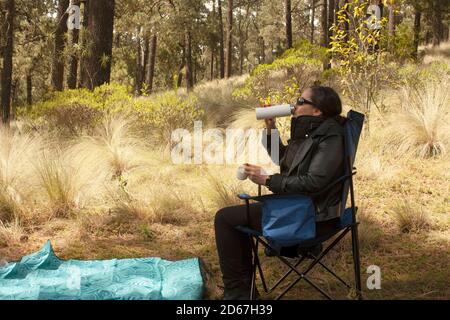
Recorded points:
(169, 111)
(416, 76)
(296, 68)
(76, 112)
(112, 98)
(72, 120)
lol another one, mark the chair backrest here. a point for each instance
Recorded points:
(353, 128)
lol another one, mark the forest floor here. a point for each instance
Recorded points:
(413, 265)
(404, 206)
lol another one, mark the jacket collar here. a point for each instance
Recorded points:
(303, 126)
(322, 130)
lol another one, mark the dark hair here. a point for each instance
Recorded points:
(327, 100)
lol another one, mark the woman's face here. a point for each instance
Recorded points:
(306, 109)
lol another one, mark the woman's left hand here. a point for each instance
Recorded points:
(256, 174)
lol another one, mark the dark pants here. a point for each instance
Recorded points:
(234, 247)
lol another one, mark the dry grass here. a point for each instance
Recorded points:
(423, 126)
(16, 154)
(113, 146)
(171, 207)
(440, 53)
(109, 195)
(218, 100)
(410, 217)
(11, 234)
(224, 194)
(369, 230)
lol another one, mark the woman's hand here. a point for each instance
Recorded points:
(270, 122)
(256, 174)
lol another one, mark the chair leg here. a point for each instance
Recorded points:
(255, 263)
(286, 275)
(334, 274)
(258, 263)
(302, 275)
(356, 260)
(293, 283)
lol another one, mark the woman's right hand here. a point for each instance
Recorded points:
(271, 123)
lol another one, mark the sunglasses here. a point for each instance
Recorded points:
(301, 101)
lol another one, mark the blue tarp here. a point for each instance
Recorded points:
(43, 276)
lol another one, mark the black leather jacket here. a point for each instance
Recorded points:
(318, 161)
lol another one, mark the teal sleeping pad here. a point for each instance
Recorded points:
(43, 276)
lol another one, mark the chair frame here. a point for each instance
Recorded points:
(256, 239)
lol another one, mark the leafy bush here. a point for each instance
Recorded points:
(76, 112)
(168, 111)
(112, 98)
(403, 42)
(72, 120)
(415, 76)
(281, 80)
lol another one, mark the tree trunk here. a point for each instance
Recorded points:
(98, 61)
(437, 23)
(263, 50)
(417, 18)
(229, 41)
(14, 89)
(313, 13)
(59, 44)
(151, 64)
(241, 58)
(288, 14)
(211, 66)
(29, 90)
(221, 40)
(188, 61)
(8, 62)
(336, 10)
(331, 14)
(324, 24)
(73, 59)
(139, 70)
(346, 24)
(73, 62)
(145, 57)
(391, 26)
(180, 72)
(84, 78)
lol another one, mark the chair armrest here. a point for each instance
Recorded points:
(244, 196)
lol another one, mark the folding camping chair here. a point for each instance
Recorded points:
(348, 223)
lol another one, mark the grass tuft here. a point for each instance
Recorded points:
(410, 217)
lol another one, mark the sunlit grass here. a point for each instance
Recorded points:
(110, 194)
(422, 126)
(410, 217)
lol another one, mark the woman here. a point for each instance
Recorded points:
(313, 158)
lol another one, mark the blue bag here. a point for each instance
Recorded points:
(288, 219)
